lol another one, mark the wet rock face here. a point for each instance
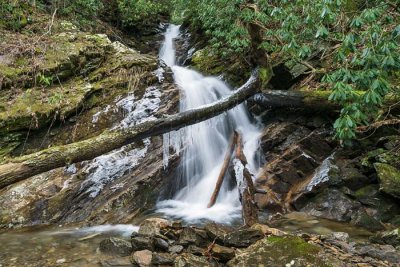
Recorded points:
(292, 155)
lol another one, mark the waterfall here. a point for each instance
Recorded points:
(204, 145)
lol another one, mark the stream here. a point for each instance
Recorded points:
(202, 148)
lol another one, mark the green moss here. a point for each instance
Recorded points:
(389, 179)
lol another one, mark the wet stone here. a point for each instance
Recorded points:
(160, 244)
(141, 242)
(153, 226)
(217, 231)
(116, 246)
(243, 238)
(162, 259)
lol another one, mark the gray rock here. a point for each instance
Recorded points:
(353, 178)
(217, 231)
(361, 218)
(142, 258)
(175, 249)
(160, 244)
(243, 238)
(162, 259)
(382, 252)
(116, 246)
(139, 242)
(194, 236)
(332, 204)
(188, 260)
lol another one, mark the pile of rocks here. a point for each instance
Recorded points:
(160, 242)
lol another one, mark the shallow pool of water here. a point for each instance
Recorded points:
(57, 246)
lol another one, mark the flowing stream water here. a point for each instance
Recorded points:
(204, 144)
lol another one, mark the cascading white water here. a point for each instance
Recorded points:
(205, 145)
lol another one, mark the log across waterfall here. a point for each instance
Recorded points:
(205, 145)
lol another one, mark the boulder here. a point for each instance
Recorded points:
(389, 179)
(217, 231)
(193, 236)
(187, 260)
(332, 204)
(139, 242)
(387, 237)
(353, 178)
(142, 258)
(152, 226)
(222, 253)
(382, 252)
(116, 246)
(280, 251)
(243, 238)
(361, 218)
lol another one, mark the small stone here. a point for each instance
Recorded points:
(152, 226)
(186, 260)
(175, 249)
(341, 236)
(60, 261)
(243, 238)
(142, 258)
(222, 253)
(160, 244)
(217, 231)
(162, 259)
(195, 250)
(266, 230)
(141, 242)
(116, 246)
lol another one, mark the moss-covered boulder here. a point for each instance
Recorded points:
(389, 179)
(280, 251)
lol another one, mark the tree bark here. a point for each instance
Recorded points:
(224, 168)
(308, 100)
(249, 207)
(20, 168)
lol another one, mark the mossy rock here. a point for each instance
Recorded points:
(389, 179)
(280, 251)
(233, 71)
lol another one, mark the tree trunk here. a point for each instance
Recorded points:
(308, 100)
(20, 168)
(249, 207)
(224, 168)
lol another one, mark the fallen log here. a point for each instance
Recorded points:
(248, 190)
(309, 100)
(224, 168)
(17, 169)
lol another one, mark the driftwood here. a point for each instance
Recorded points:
(247, 189)
(249, 207)
(224, 168)
(20, 168)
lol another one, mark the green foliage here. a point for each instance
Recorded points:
(134, 12)
(358, 39)
(82, 10)
(14, 15)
